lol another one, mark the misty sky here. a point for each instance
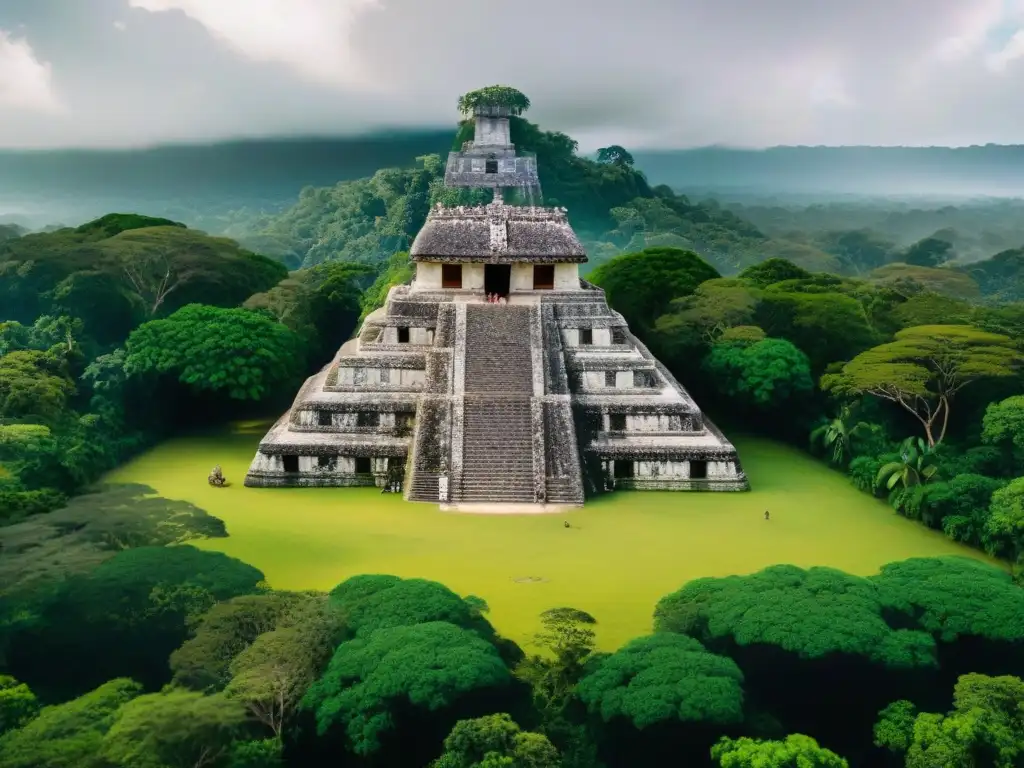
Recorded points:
(645, 73)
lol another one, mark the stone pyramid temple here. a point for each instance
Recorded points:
(542, 398)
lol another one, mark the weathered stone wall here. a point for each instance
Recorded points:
(491, 131)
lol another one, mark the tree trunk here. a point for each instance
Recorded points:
(944, 407)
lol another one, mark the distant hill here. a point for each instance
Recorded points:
(957, 173)
(193, 182)
(201, 184)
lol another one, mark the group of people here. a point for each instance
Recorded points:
(496, 298)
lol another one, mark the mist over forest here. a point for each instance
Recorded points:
(201, 184)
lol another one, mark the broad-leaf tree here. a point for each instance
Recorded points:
(984, 728)
(1003, 425)
(568, 638)
(615, 155)
(664, 678)
(203, 662)
(18, 704)
(924, 368)
(1003, 534)
(429, 667)
(371, 602)
(771, 271)
(68, 735)
(238, 352)
(641, 285)
(124, 617)
(764, 374)
(496, 740)
(271, 676)
(174, 729)
(33, 387)
(795, 751)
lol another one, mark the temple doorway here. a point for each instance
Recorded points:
(497, 278)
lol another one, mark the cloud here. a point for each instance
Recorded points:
(647, 73)
(1013, 50)
(309, 36)
(25, 82)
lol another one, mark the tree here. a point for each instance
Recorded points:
(173, 729)
(1003, 534)
(615, 155)
(429, 667)
(795, 751)
(895, 727)
(836, 436)
(68, 735)
(984, 728)
(859, 250)
(568, 637)
(1003, 425)
(18, 704)
(960, 505)
(321, 304)
(266, 753)
(928, 252)
(738, 607)
(876, 638)
(164, 263)
(825, 324)
(487, 740)
(715, 306)
(372, 602)
(914, 281)
(765, 374)
(398, 270)
(494, 96)
(203, 662)
(116, 223)
(33, 387)
(953, 598)
(664, 678)
(235, 351)
(124, 617)
(271, 676)
(153, 278)
(47, 549)
(771, 271)
(112, 271)
(641, 285)
(924, 368)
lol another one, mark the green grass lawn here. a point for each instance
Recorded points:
(622, 553)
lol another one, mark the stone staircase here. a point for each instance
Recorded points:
(497, 453)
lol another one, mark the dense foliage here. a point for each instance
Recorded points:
(99, 322)
(233, 674)
(121, 644)
(494, 96)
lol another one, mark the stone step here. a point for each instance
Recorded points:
(497, 416)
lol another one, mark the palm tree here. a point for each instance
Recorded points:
(835, 435)
(915, 466)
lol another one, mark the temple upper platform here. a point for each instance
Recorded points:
(498, 234)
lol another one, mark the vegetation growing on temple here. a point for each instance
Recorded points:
(504, 96)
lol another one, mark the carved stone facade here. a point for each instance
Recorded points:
(543, 398)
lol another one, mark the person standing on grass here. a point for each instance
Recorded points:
(766, 515)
